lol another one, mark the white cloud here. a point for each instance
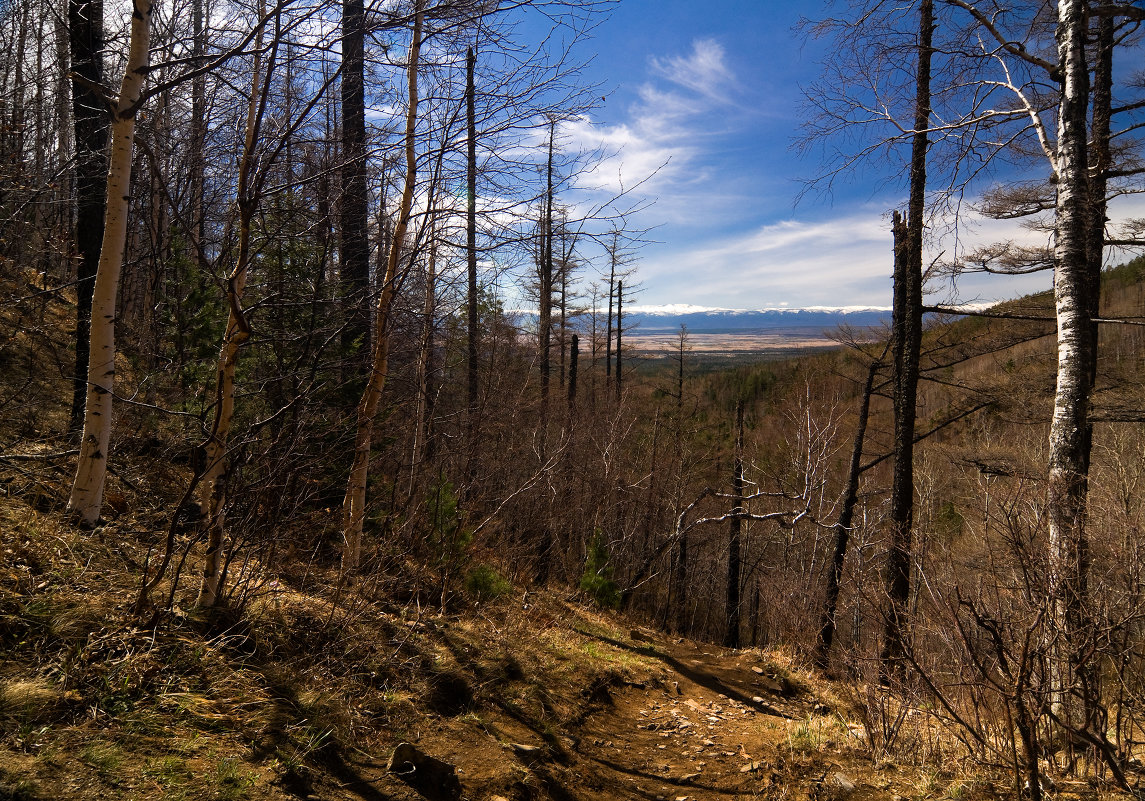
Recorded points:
(704, 70)
(845, 260)
(662, 140)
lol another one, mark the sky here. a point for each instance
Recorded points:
(703, 104)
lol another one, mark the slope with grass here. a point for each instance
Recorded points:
(305, 693)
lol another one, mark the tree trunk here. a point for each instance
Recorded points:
(907, 322)
(90, 123)
(680, 578)
(1070, 440)
(471, 230)
(731, 613)
(353, 219)
(619, 333)
(545, 324)
(843, 525)
(423, 425)
(608, 324)
(213, 487)
(574, 354)
(65, 128)
(354, 503)
(87, 489)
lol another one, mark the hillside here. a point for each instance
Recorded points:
(301, 695)
(303, 685)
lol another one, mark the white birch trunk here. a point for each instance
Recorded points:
(87, 490)
(1069, 437)
(354, 503)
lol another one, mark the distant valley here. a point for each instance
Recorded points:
(737, 333)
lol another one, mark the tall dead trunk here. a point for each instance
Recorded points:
(65, 128)
(471, 230)
(545, 325)
(843, 525)
(354, 211)
(680, 582)
(732, 600)
(1070, 440)
(679, 568)
(197, 218)
(87, 489)
(619, 334)
(907, 323)
(90, 125)
(612, 263)
(423, 425)
(574, 354)
(354, 503)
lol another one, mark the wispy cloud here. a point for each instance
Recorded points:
(704, 70)
(662, 140)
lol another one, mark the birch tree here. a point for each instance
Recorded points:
(1070, 433)
(87, 488)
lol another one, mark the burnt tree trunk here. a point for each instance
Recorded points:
(828, 623)
(731, 632)
(90, 120)
(354, 212)
(907, 323)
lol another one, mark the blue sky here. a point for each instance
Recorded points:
(712, 91)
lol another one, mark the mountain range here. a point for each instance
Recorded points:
(702, 320)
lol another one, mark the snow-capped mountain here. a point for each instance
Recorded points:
(701, 320)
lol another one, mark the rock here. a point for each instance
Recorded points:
(757, 669)
(689, 778)
(431, 777)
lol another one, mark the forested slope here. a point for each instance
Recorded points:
(455, 636)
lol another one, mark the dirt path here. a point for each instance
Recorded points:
(711, 724)
(725, 726)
